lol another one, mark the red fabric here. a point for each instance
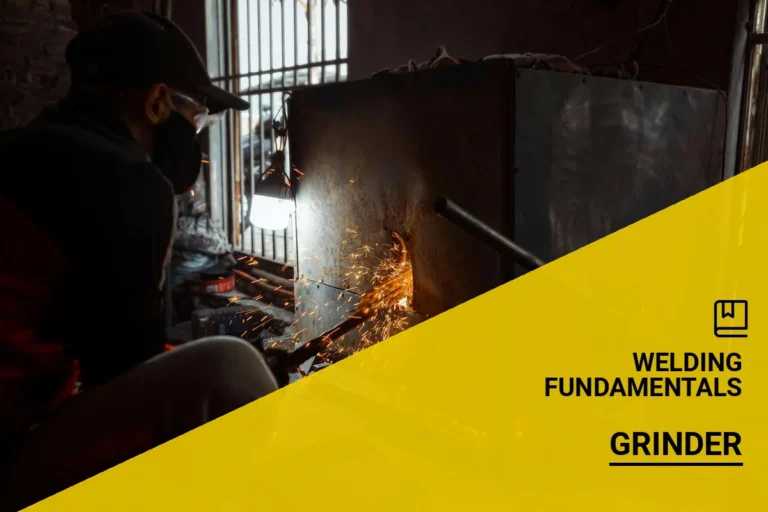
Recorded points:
(36, 374)
(110, 450)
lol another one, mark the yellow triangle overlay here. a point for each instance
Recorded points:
(452, 414)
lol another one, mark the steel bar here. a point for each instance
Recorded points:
(260, 121)
(286, 68)
(287, 284)
(309, 39)
(761, 38)
(295, 42)
(750, 99)
(740, 50)
(227, 176)
(282, 36)
(451, 211)
(251, 138)
(277, 291)
(237, 151)
(338, 39)
(322, 39)
(274, 245)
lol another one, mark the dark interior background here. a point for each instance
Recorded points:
(693, 47)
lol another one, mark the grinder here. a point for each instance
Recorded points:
(444, 207)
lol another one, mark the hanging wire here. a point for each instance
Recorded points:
(659, 19)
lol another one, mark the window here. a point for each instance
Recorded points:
(260, 49)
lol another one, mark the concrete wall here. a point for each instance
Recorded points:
(386, 33)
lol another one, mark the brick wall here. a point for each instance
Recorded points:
(33, 37)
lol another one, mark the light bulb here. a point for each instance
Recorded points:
(271, 213)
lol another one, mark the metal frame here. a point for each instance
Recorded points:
(751, 102)
(247, 59)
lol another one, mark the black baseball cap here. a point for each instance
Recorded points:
(138, 49)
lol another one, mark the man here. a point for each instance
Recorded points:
(88, 213)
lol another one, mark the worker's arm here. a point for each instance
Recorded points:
(136, 239)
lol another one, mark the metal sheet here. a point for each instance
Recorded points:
(592, 155)
(322, 307)
(597, 154)
(319, 307)
(377, 153)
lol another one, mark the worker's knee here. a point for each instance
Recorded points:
(227, 365)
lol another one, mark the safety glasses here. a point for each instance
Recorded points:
(195, 112)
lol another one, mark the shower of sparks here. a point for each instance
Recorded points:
(390, 283)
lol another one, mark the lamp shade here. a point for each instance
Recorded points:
(272, 203)
(271, 213)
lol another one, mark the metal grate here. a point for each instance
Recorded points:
(260, 49)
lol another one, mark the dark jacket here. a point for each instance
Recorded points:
(87, 224)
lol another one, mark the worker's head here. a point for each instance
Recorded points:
(145, 69)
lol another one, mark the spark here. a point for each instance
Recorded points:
(386, 305)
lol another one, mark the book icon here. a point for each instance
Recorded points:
(731, 318)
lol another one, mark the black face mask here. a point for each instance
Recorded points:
(177, 153)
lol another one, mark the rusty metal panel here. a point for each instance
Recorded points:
(594, 155)
(376, 154)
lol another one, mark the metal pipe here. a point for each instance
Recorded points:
(227, 178)
(295, 42)
(322, 39)
(309, 40)
(749, 106)
(338, 39)
(259, 118)
(451, 211)
(251, 138)
(238, 229)
(287, 284)
(286, 68)
(278, 291)
(736, 88)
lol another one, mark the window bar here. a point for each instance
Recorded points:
(282, 35)
(251, 138)
(322, 40)
(260, 121)
(271, 81)
(289, 170)
(282, 65)
(296, 43)
(309, 40)
(271, 50)
(331, 62)
(338, 40)
(272, 112)
(228, 176)
(220, 129)
(237, 150)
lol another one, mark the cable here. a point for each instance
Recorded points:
(659, 19)
(661, 16)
